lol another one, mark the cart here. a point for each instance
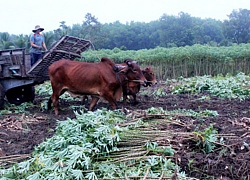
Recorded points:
(18, 78)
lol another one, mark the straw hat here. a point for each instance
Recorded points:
(37, 28)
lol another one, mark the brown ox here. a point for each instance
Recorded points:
(132, 88)
(102, 79)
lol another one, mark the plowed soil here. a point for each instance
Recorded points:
(20, 133)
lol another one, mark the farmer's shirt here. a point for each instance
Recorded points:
(38, 40)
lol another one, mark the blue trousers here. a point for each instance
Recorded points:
(35, 57)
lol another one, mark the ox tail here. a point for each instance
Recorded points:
(49, 103)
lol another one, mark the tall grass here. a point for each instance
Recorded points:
(188, 61)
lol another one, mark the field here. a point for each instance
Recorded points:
(211, 134)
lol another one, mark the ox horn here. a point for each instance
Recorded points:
(128, 61)
(118, 68)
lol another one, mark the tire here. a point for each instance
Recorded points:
(21, 94)
(30, 93)
(2, 95)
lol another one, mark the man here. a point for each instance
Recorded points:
(37, 44)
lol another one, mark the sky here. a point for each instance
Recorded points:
(21, 16)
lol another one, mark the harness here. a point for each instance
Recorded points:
(126, 80)
(117, 74)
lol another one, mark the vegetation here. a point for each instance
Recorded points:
(230, 87)
(188, 61)
(207, 139)
(168, 31)
(201, 46)
(98, 145)
(109, 144)
(102, 144)
(87, 147)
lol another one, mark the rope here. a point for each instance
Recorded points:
(118, 77)
(140, 81)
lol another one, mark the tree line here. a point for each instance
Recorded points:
(167, 31)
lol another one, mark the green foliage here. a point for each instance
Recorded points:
(206, 139)
(192, 113)
(5, 41)
(189, 112)
(238, 26)
(232, 87)
(13, 109)
(154, 110)
(49, 39)
(81, 147)
(45, 89)
(193, 51)
(21, 41)
(153, 146)
(159, 93)
(188, 61)
(73, 149)
(141, 35)
(203, 98)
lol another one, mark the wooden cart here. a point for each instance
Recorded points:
(18, 78)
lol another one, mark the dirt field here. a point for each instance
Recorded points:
(19, 133)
